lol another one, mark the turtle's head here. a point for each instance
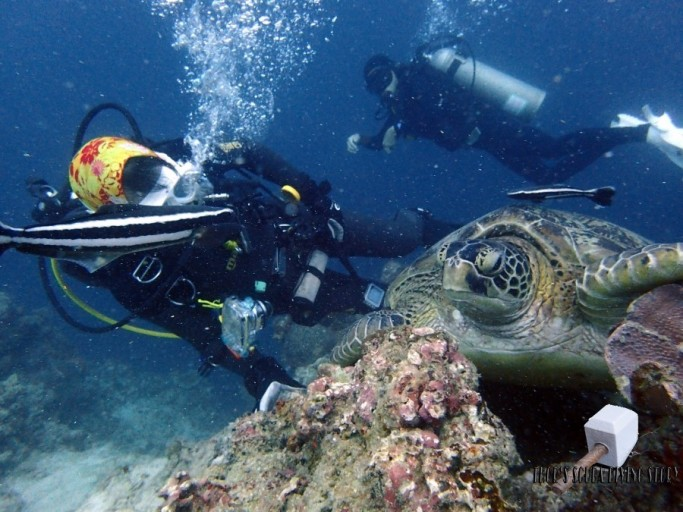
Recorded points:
(487, 280)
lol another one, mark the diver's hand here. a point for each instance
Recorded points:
(352, 143)
(331, 219)
(277, 391)
(259, 376)
(389, 139)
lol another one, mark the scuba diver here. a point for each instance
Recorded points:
(178, 245)
(445, 95)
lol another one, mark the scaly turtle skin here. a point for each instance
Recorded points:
(530, 294)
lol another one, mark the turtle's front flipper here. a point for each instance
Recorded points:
(608, 287)
(349, 349)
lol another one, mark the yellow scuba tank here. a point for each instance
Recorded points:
(486, 83)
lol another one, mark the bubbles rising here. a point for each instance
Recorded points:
(456, 16)
(240, 52)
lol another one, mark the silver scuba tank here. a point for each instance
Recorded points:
(515, 97)
(309, 283)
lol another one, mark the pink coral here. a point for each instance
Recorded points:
(367, 401)
(183, 493)
(392, 433)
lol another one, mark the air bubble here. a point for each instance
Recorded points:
(240, 53)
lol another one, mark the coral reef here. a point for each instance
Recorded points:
(404, 429)
(644, 352)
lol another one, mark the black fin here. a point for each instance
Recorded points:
(603, 196)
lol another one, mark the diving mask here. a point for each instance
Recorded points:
(379, 80)
(242, 319)
(160, 180)
(190, 185)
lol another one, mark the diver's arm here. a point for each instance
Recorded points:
(370, 141)
(266, 163)
(276, 169)
(385, 139)
(202, 330)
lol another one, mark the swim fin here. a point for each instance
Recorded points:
(277, 391)
(662, 134)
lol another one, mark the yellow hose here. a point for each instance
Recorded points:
(104, 318)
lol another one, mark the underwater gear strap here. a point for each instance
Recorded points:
(346, 263)
(85, 122)
(112, 324)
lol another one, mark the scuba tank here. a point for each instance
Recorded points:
(486, 83)
(307, 288)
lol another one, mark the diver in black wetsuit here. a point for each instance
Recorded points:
(458, 102)
(282, 248)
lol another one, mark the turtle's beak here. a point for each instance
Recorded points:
(469, 293)
(460, 277)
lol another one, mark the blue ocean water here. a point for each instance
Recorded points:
(595, 59)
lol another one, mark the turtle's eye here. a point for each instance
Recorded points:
(489, 261)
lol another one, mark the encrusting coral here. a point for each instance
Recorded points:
(404, 429)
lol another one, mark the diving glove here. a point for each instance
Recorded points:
(389, 139)
(263, 375)
(352, 143)
(662, 134)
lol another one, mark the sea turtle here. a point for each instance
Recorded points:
(530, 294)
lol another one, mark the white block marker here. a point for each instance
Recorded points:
(611, 434)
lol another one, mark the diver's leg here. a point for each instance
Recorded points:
(662, 133)
(544, 159)
(521, 148)
(407, 231)
(581, 148)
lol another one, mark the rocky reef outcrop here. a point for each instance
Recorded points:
(404, 429)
